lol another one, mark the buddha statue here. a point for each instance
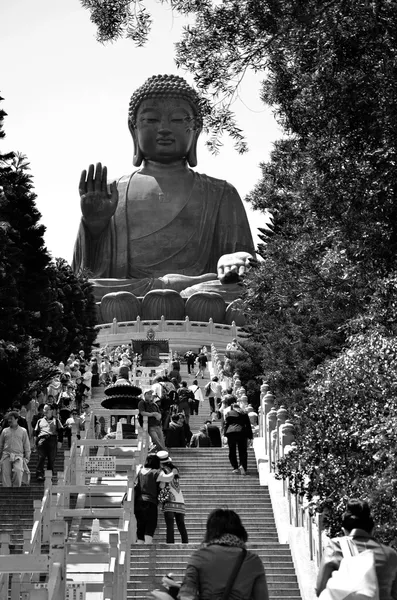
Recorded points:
(165, 226)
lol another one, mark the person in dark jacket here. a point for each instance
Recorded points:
(184, 395)
(214, 434)
(186, 428)
(175, 434)
(238, 431)
(210, 566)
(200, 439)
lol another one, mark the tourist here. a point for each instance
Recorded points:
(14, 451)
(148, 408)
(87, 379)
(184, 395)
(213, 390)
(104, 371)
(201, 362)
(55, 387)
(237, 432)
(213, 433)
(198, 397)
(190, 357)
(49, 436)
(173, 508)
(210, 567)
(22, 422)
(187, 431)
(95, 372)
(175, 374)
(175, 433)
(73, 421)
(201, 439)
(358, 525)
(81, 393)
(146, 503)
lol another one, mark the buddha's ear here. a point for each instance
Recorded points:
(138, 156)
(192, 154)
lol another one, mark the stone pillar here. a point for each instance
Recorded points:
(282, 415)
(114, 326)
(271, 422)
(268, 404)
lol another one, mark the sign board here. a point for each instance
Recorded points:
(105, 465)
(75, 591)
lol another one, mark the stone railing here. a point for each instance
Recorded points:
(278, 435)
(177, 331)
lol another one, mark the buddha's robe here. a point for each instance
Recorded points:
(189, 241)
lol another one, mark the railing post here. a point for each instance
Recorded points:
(58, 553)
(114, 327)
(46, 517)
(211, 326)
(282, 414)
(271, 421)
(16, 586)
(268, 402)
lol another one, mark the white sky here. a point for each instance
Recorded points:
(67, 97)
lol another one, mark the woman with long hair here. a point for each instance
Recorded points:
(174, 507)
(223, 554)
(148, 484)
(358, 525)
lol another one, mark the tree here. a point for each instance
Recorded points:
(346, 434)
(72, 313)
(24, 257)
(45, 311)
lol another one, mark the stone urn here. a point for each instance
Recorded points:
(122, 394)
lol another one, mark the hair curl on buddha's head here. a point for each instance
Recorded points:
(165, 86)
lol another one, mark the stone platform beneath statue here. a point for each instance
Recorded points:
(182, 335)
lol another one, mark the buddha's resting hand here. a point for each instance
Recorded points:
(233, 266)
(97, 204)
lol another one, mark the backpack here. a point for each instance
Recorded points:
(183, 395)
(356, 577)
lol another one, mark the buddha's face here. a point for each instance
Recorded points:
(165, 129)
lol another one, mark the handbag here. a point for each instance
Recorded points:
(233, 575)
(356, 577)
(164, 494)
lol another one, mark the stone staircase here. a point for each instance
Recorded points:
(207, 483)
(16, 504)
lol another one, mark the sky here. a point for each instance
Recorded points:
(66, 97)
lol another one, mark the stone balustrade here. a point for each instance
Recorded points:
(182, 334)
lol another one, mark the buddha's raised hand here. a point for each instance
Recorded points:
(98, 205)
(232, 266)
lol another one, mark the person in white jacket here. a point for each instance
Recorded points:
(198, 397)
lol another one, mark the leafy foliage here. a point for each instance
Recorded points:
(117, 18)
(249, 364)
(72, 313)
(346, 433)
(45, 311)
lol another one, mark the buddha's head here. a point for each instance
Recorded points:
(165, 120)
